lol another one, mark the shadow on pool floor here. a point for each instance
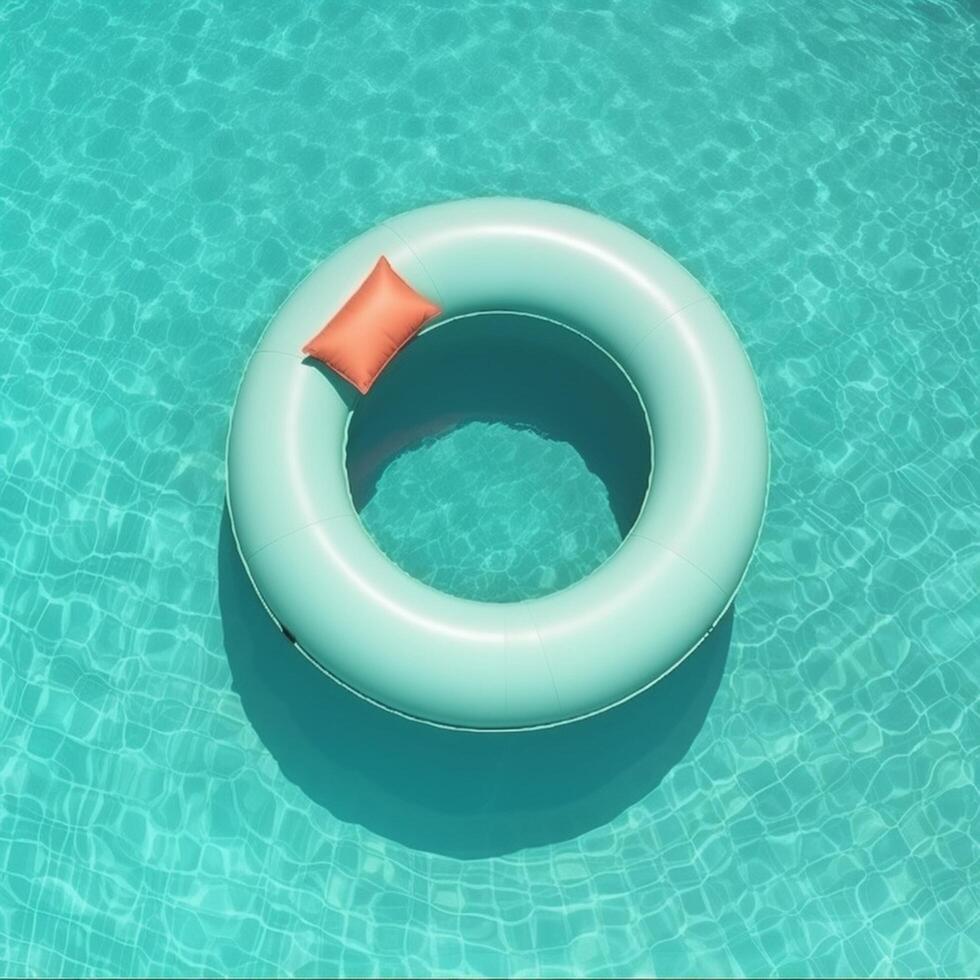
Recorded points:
(460, 794)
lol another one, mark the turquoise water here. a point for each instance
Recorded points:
(183, 795)
(492, 512)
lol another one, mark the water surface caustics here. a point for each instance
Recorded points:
(178, 800)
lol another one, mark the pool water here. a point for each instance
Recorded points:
(492, 512)
(500, 457)
(182, 794)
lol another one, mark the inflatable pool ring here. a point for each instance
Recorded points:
(468, 664)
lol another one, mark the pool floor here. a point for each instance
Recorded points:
(181, 794)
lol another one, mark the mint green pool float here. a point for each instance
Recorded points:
(466, 664)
